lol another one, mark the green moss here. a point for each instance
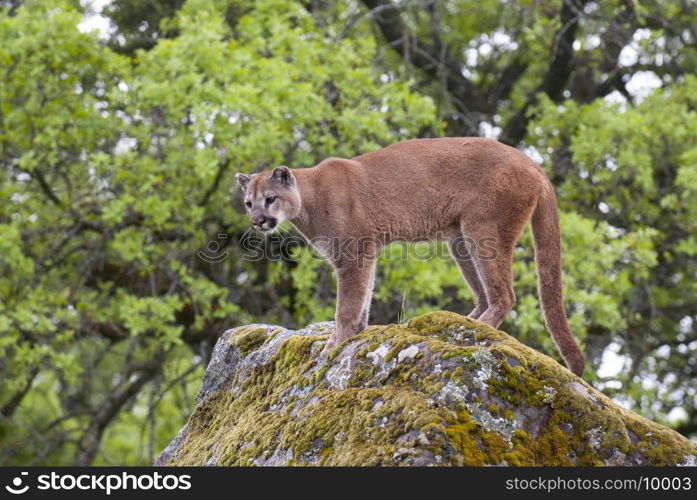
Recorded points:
(463, 394)
(248, 339)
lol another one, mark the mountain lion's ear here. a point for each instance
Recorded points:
(283, 174)
(243, 180)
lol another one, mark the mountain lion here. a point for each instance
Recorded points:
(457, 189)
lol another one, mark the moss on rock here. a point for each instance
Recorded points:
(442, 389)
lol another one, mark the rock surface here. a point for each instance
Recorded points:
(441, 389)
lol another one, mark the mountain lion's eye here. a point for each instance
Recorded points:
(248, 204)
(270, 200)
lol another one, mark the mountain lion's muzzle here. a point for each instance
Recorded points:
(264, 223)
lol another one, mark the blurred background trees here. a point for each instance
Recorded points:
(122, 232)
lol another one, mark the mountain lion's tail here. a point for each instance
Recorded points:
(545, 232)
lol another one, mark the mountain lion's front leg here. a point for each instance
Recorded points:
(368, 299)
(354, 280)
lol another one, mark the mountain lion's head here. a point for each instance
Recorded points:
(271, 198)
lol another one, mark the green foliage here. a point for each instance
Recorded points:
(115, 172)
(638, 168)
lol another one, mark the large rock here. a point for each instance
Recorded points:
(441, 389)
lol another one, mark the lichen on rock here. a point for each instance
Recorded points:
(442, 389)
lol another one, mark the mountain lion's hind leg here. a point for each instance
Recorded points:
(462, 255)
(496, 274)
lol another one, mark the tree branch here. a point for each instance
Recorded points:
(222, 169)
(431, 59)
(11, 406)
(557, 74)
(502, 88)
(88, 445)
(46, 188)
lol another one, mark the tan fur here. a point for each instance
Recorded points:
(475, 188)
